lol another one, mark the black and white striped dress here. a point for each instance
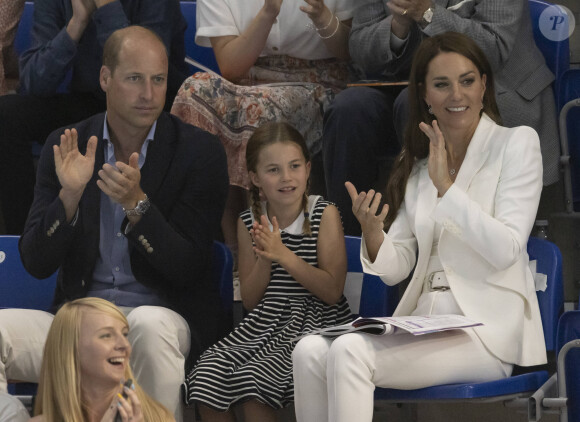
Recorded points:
(255, 360)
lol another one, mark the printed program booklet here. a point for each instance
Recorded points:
(416, 325)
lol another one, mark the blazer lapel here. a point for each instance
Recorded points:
(91, 200)
(424, 225)
(159, 156)
(477, 153)
(424, 229)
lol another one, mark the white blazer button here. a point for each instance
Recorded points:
(149, 250)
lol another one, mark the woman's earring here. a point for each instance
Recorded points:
(430, 109)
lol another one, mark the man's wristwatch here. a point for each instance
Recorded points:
(140, 209)
(427, 18)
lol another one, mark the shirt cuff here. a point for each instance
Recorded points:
(397, 43)
(75, 218)
(382, 255)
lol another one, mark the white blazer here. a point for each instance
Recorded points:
(487, 216)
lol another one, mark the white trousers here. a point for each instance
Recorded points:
(160, 339)
(11, 410)
(335, 380)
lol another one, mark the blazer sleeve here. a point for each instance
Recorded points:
(47, 237)
(369, 42)
(493, 24)
(173, 246)
(499, 237)
(398, 252)
(43, 67)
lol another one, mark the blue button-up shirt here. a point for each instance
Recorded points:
(113, 279)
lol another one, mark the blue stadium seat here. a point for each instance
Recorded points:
(223, 266)
(21, 290)
(556, 53)
(367, 295)
(204, 55)
(23, 40)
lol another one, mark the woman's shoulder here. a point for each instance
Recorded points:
(39, 418)
(499, 133)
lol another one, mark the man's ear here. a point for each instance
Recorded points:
(104, 77)
(254, 179)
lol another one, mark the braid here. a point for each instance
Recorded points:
(306, 224)
(255, 201)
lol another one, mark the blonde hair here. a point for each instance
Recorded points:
(59, 396)
(265, 135)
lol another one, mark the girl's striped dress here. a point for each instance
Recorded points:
(255, 360)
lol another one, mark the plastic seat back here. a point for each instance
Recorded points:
(367, 295)
(223, 264)
(204, 55)
(556, 48)
(18, 288)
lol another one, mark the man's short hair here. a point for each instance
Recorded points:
(115, 42)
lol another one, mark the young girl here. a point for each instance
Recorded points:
(292, 267)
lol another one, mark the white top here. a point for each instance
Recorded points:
(289, 35)
(296, 226)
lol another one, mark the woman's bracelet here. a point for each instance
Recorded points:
(334, 32)
(312, 26)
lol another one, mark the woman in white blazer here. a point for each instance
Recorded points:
(463, 198)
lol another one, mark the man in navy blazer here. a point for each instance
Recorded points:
(126, 207)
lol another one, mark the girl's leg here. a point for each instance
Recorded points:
(210, 415)
(358, 362)
(254, 411)
(310, 389)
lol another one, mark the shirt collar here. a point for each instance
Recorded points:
(110, 149)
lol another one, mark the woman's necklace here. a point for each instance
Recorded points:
(453, 170)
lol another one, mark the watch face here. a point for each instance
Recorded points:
(142, 207)
(428, 15)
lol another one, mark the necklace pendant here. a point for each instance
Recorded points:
(452, 172)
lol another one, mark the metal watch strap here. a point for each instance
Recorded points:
(140, 209)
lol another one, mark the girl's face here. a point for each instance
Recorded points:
(103, 348)
(454, 89)
(282, 173)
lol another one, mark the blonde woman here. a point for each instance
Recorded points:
(85, 363)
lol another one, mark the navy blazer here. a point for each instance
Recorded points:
(185, 176)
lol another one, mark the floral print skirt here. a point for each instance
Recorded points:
(279, 88)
